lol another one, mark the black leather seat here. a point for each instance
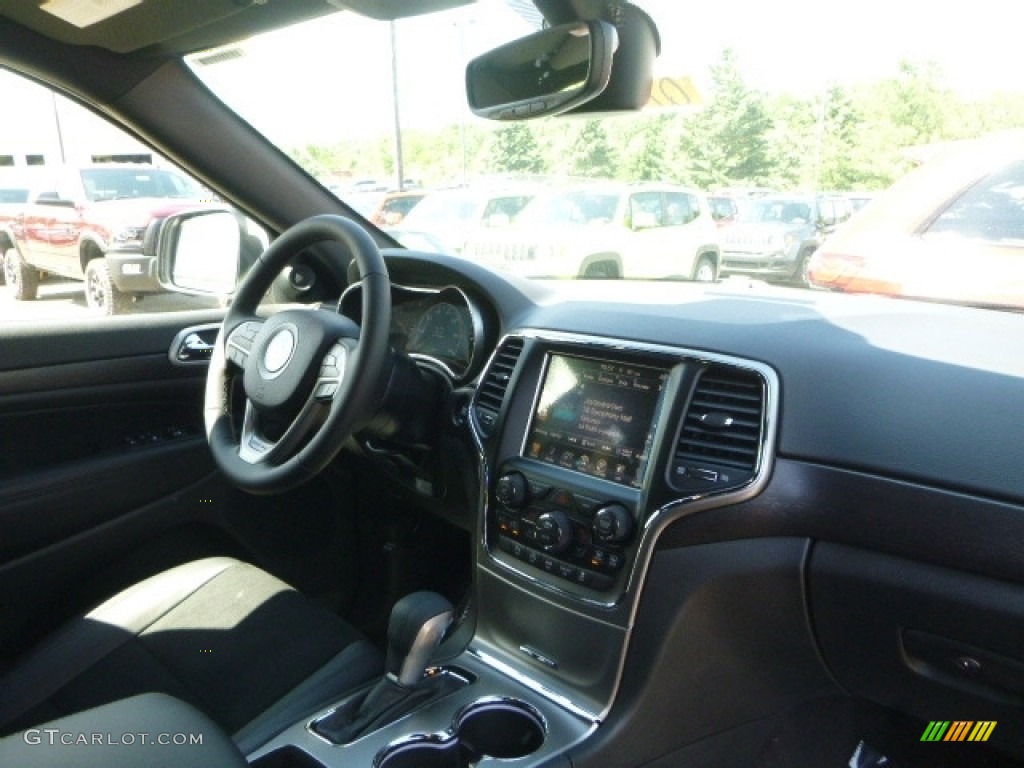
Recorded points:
(238, 644)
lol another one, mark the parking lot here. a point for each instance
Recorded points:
(65, 299)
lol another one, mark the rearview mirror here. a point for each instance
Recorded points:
(198, 252)
(545, 73)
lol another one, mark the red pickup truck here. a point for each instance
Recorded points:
(88, 223)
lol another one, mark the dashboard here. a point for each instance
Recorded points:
(827, 446)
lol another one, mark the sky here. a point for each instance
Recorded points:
(801, 46)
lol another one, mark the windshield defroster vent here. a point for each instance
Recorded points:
(720, 438)
(491, 394)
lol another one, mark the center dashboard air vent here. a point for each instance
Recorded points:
(720, 438)
(491, 393)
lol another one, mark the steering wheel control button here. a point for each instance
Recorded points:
(332, 371)
(240, 343)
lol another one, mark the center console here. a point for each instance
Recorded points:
(592, 446)
(568, 503)
(587, 447)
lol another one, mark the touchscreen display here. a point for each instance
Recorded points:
(596, 417)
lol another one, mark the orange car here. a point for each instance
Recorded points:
(951, 230)
(394, 206)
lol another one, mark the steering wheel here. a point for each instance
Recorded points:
(311, 377)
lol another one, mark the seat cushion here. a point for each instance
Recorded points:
(220, 634)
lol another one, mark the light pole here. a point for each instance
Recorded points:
(60, 132)
(394, 100)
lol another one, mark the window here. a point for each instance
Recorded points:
(645, 210)
(680, 208)
(50, 278)
(992, 210)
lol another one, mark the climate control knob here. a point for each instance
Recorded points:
(510, 490)
(554, 531)
(612, 524)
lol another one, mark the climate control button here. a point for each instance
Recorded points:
(612, 524)
(553, 531)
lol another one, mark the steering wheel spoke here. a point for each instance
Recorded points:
(254, 447)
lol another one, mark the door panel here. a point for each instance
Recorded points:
(103, 455)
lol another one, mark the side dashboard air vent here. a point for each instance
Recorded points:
(720, 438)
(491, 394)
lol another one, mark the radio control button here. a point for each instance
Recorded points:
(510, 490)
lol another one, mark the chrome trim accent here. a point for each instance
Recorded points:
(536, 655)
(180, 339)
(423, 645)
(446, 738)
(528, 682)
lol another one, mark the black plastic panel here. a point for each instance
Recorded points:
(910, 520)
(721, 639)
(932, 642)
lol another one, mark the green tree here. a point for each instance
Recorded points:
(917, 103)
(727, 141)
(647, 149)
(514, 149)
(592, 154)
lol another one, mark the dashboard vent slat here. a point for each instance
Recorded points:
(720, 438)
(491, 394)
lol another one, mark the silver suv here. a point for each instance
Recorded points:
(774, 237)
(606, 230)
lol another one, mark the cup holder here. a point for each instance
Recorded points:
(499, 728)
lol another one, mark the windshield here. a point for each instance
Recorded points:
(785, 211)
(121, 184)
(744, 111)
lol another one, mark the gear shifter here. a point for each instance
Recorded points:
(417, 624)
(418, 621)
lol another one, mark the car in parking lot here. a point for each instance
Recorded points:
(88, 223)
(774, 236)
(606, 230)
(15, 187)
(452, 217)
(383, 506)
(953, 230)
(395, 206)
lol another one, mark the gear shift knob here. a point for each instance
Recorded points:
(418, 621)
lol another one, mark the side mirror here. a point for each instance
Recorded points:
(198, 252)
(545, 73)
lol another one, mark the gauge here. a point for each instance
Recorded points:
(440, 327)
(443, 331)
